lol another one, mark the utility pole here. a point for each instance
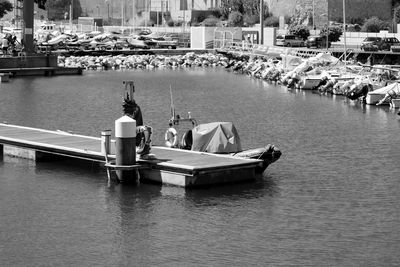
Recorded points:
(313, 15)
(145, 14)
(133, 12)
(261, 41)
(28, 29)
(344, 30)
(122, 13)
(71, 15)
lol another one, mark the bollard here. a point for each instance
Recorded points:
(125, 148)
(105, 142)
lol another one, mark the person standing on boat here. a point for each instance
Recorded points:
(4, 45)
(171, 136)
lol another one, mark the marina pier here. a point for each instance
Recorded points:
(168, 166)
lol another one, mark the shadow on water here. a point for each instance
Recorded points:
(84, 171)
(206, 195)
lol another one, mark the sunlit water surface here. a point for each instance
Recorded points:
(331, 200)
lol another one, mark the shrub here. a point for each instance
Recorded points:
(250, 20)
(178, 23)
(271, 22)
(374, 24)
(211, 21)
(235, 19)
(334, 33)
(301, 31)
(353, 28)
(148, 23)
(170, 23)
(396, 14)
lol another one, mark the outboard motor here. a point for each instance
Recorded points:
(286, 78)
(357, 90)
(293, 81)
(322, 82)
(237, 66)
(267, 71)
(275, 75)
(328, 86)
(387, 98)
(344, 88)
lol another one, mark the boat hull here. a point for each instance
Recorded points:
(373, 99)
(308, 83)
(268, 154)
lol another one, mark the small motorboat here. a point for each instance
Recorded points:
(216, 137)
(223, 138)
(383, 95)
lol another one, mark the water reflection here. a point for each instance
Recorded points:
(335, 183)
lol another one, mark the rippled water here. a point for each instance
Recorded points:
(331, 200)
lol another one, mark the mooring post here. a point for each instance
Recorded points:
(105, 142)
(125, 148)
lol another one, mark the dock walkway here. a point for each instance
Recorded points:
(170, 166)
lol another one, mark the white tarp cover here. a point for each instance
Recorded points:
(290, 62)
(382, 91)
(323, 58)
(216, 137)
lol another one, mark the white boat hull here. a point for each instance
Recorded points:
(309, 83)
(372, 99)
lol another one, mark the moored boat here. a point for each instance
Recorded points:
(383, 95)
(223, 138)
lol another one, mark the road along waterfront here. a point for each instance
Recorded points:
(332, 199)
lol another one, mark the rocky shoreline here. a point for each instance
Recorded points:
(143, 61)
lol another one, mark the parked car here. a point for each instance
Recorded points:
(289, 40)
(147, 40)
(387, 42)
(134, 43)
(165, 42)
(107, 44)
(371, 43)
(317, 41)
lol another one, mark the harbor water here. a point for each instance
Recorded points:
(332, 199)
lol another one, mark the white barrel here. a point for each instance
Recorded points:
(125, 147)
(125, 127)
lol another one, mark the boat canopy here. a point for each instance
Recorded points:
(216, 137)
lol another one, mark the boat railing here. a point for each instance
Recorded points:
(239, 46)
(304, 53)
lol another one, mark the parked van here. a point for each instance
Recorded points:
(289, 40)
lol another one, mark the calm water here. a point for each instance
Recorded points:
(331, 200)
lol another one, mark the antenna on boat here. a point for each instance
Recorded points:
(172, 104)
(176, 118)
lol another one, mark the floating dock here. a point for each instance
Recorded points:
(41, 71)
(44, 65)
(168, 166)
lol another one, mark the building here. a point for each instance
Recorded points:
(332, 10)
(147, 10)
